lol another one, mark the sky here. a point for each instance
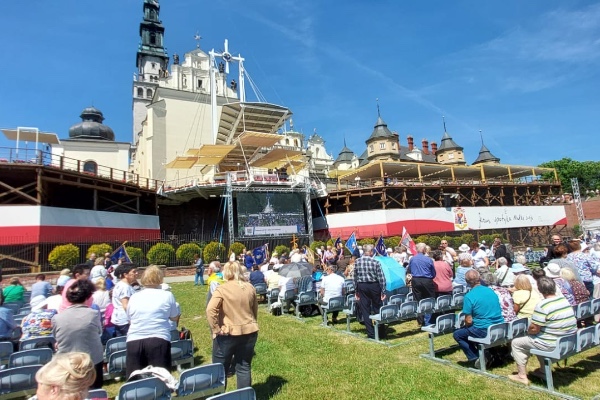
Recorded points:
(524, 73)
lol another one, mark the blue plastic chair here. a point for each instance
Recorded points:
(145, 389)
(30, 357)
(113, 345)
(202, 381)
(240, 394)
(182, 352)
(18, 382)
(38, 343)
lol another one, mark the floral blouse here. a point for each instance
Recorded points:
(37, 324)
(586, 265)
(506, 303)
(580, 292)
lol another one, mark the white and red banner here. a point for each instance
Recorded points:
(39, 224)
(372, 223)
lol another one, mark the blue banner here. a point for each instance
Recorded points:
(118, 253)
(352, 246)
(260, 254)
(380, 247)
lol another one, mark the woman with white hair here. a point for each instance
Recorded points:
(504, 275)
(232, 314)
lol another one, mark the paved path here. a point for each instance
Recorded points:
(175, 279)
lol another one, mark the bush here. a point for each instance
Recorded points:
(186, 252)
(99, 249)
(392, 241)
(282, 249)
(237, 248)
(214, 251)
(434, 242)
(316, 245)
(365, 241)
(136, 255)
(467, 238)
(63, 256)
(422, 239)
(161, 254)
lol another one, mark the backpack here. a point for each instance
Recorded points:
(510, 251)
(185, 334)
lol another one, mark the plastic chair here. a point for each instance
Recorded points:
(444, 324)
(113, 345)
(6, 349)
(202, 381)
(116, 364)
(334, 304)
(305, 299)
(97, 394)
(145, 389)
(565, 347)
(426, 306)
(18, 382)
(349, 286)
(457, 300)
(182, 352)
(497, 334)
(518, 327)
(349, 310)
(261, 288)
(583, 310)
(386, 315)
(458, 289)
(240, 394)
(272, 295)
(586, 338)
(397, 299)
(443, 303)
(408, 310)
(30, 357)
(38, 343)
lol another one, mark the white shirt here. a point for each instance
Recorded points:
(149, 311)
(101, 298)
(333, 285)
(286, 284)
(478, 258)
(120, 291)
(509, 279)
(448, 257)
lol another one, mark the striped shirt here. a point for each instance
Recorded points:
(556, 318)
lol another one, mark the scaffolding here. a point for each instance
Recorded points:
(578, 205)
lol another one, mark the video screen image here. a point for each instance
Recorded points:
(264, 214)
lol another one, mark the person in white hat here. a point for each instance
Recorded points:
(39, 321)
(463, 248)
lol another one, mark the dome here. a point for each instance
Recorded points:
(91, 126)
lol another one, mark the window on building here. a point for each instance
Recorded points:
(287, 142)
(450, 156)
(149, 93)
(393, 146)
(140, 92)
(382, 146)
(90, 167)
(296, 143)
(199, 83)
(152, 38)
(371, 148)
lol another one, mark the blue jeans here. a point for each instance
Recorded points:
(241, 348)
(199, 274)
(462, 338)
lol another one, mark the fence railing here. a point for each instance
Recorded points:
(46, 159)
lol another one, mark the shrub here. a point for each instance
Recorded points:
(99, 249)
(186, 252)
(467, 238)
(316, 245)
(392, 241)
(422, 239)
(237, 248)
(63, 256)
(282, 248)
(365, 241)
(136, 255)
(214, 251)
(161, 254)
(434, 242)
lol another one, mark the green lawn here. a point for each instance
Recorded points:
(299, 359)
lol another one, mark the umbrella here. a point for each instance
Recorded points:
(296, 270)
(395, 274)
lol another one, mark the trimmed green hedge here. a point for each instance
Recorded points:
(186, 252)
(161, 254)
(236, 248)
(214, 251)
(99, 249)
(63, 256)
(136, 255)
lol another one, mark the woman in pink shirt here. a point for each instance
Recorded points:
(443, 274)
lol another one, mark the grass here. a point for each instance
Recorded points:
(299, 359)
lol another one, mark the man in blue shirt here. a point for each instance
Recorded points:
(422, 270)
(41, 287)
(482, 309)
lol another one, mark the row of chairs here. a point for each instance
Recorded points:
(587, 309)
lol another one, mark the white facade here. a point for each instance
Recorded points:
(320, 162)
(104, 153)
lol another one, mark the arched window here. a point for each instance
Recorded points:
(152, 38)
(140, 92)
(149, 93)
(90, 167)
(287, 142)
(296, 142)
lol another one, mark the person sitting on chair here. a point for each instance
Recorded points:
(332, 285)
(482, 309)
(552, 318)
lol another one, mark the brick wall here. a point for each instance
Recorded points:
(591, 210)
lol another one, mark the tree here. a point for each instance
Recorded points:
(586, 172)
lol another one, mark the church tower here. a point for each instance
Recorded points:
(151, 62)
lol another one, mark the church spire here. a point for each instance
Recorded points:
(151, 40)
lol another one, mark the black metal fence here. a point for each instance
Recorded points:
(24, 258)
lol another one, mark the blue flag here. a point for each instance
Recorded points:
(337, 243)
(118, 253)
(380, 247)
(259, 254)
(352, 246)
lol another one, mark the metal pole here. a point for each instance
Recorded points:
(309, 222)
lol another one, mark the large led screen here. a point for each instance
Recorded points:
(270, 214)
